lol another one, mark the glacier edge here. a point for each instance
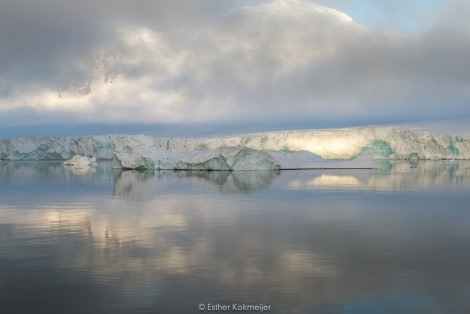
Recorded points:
(355, 147)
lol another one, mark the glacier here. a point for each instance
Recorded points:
(81, 161)
(140, 152)
(143, 152)
(57, 148)
(297, 149)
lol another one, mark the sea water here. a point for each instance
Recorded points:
(97, 240)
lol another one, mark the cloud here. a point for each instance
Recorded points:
(186, 62)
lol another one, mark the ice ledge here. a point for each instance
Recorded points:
(288, 149)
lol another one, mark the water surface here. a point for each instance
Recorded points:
(95, 240)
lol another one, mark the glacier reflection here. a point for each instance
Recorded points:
(143, 185)
(166, 241)
(136, 185)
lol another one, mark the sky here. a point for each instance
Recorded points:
(209, 66)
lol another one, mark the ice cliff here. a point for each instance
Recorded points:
(140, 152)
(379, 143)
(341, 148)
(57, 148)
(143, 152)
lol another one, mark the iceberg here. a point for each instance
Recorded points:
(379, 143)
(140, 152)
(298, 149)
(228, 158)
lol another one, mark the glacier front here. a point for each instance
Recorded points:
(331, 148)
(57, 148)
(142, 152)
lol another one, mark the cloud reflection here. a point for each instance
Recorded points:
(400, 176)
(164, 235)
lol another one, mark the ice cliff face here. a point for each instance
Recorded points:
(57, 148)
(140, 152)
(379, 143)
(228, 158)
(346, 148)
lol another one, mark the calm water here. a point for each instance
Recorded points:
(318, 241)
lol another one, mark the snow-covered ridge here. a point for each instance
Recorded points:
(285, 150)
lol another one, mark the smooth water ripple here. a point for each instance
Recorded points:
(97, 240)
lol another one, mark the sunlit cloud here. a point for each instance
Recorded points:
(264, 61)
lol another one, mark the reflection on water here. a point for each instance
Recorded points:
(332, 241)
(142, 185)
(399, 176)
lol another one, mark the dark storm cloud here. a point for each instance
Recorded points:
(188, 61)
(37, 36)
